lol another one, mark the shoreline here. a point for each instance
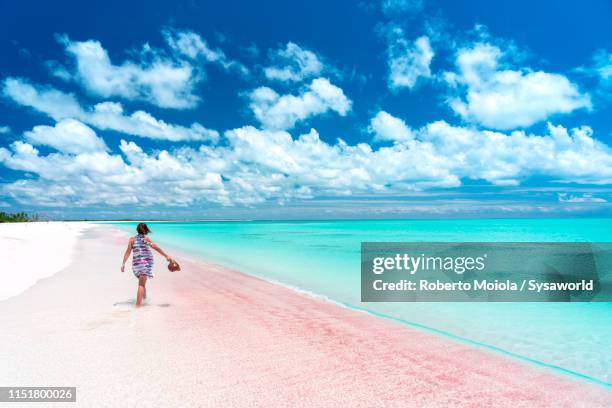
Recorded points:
(196, 258)
(406, 323)
(223, 335)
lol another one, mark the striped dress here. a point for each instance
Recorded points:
(142, 258)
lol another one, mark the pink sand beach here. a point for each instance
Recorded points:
(209, 336)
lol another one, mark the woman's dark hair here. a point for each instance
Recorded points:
(143, 229)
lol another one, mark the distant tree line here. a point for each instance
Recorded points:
(17, 217)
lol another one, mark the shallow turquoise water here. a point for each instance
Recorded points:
(323, 257)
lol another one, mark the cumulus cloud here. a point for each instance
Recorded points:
(493, 95)
(61, 167)
(293, 64)
(237, 173)
(258, 165)
(156, 79)
(45, 99)
(105, 115)
(387, 127)
(102, 178)
(508, 159)
(276, 111)
(4, 130)
(191, 45)
(407, 61)
(68, 136)
(111, 116)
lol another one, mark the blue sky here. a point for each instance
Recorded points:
(396, 108)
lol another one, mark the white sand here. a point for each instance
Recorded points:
(34, 250)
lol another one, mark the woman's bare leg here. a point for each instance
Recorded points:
(142, 281)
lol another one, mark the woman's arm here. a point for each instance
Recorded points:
(127, 254)
(158, 249)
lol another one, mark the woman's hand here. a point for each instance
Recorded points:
(123, 268)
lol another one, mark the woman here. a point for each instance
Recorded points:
(142, 260)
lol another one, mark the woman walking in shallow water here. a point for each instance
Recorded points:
(142, 259)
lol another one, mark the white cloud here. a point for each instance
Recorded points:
(407, 61)
(110, 116)
(62, 167)
(579, 198)
(387, 127)
(56, 104)
(508, 159)
(502, 98)
(257, 165)
(155, 79)
(602, 66)
(605, 66)
(276, 111)
(293, 64)
(4, 130)
(601, 70)
(68, 136)
(192, 45)
(106, 115)
(107, 179)
(392, 7)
